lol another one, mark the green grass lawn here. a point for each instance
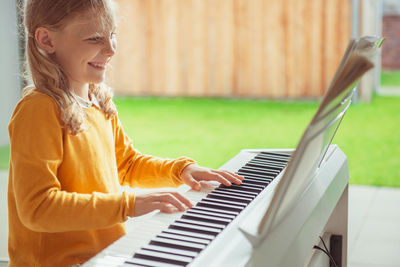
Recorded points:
(212, 131)
(390, 78)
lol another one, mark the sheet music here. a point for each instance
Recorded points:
(319, 133)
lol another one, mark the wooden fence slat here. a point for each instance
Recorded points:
(229, 48)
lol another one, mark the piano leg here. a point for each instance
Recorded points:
(336, 225)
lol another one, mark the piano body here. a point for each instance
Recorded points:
(288, 201)
(321, 211)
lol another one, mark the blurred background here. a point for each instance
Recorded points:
(206, 78)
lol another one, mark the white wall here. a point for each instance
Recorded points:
(9, 95)
(9, 67)
(370, 24)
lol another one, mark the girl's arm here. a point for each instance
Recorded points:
(136, 169)
(145, 171)
(41, 204)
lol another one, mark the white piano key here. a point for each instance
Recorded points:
(176, 243)
(216, 205)
(240, 205)
(109, 261)
(219, 211)
(184, 238)
(206, 218)
(229, 197)
(169, 250)
(242, 188)
(255, 175)
(162, 257)
(233, 193)
(144, 262)
(190, 234)
(210, 213)
(196, 228)
(200, 223)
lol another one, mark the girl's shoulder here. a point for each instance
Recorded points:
(35, 97)
(35, 104)
(37, 100)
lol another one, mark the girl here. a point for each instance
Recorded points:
(69, 153)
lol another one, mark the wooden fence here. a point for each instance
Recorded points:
(229, 48)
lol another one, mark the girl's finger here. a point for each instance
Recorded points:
(171, 199)
(183, 199)
(231, 176)
(166, 207)
(214, 176)
(190, 181)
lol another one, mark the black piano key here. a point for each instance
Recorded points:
(169, 250)
(255, 182)
(242, 188)
(162, 257)
(184, 238)
(195, 228)
(266, 159)
(219, 206)
(217, 195)
(160, 241)
(262, 171)
(240, 205)
(235, 189)
(185, 233)
(206, 218)
(265, 166)
(252, 185)
(272, 158)
(218, 211)
(147, 263)
(234, 193)
(276, 154)
(210, 213)
(258, 176)
(200, 223)
(260, 182)
(265, 162)
(258, 171)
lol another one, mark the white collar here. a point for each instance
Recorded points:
(87, 103)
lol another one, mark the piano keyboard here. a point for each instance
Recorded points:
(178, 240)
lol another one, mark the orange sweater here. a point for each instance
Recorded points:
(64, 199)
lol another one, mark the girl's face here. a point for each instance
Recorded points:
(83, 48)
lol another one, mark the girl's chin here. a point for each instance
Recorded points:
(97, 79)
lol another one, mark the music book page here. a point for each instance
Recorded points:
(317, 137)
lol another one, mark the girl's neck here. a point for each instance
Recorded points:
(81, 91)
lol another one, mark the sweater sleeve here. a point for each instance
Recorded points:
(36, 139)
(145, 171)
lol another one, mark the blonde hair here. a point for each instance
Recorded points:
(48, 77)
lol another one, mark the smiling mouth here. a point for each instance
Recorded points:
(98, 65)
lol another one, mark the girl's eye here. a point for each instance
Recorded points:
(95, 39)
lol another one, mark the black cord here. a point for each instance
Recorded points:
(326, 251)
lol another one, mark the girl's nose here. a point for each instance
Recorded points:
(110, 47)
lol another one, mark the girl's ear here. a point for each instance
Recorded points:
(44, 40)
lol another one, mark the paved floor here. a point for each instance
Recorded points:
(389, 91)
(374, 225)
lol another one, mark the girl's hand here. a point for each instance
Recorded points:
(193, 174)
(167, 202)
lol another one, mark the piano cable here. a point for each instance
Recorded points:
(326, 251)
